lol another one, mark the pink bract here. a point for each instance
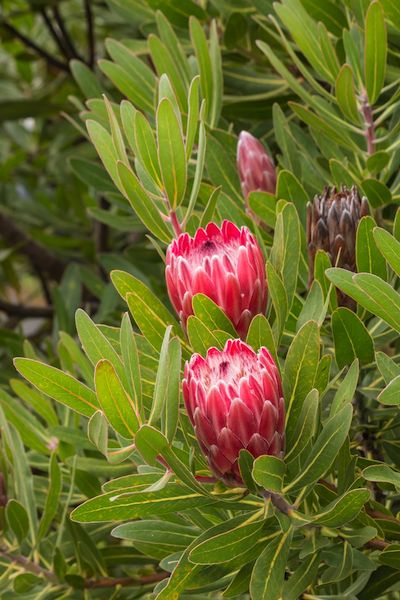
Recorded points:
(234, 400)
(256, 169)
(224, 263)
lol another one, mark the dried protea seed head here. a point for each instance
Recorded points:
(332, 221)
(234, 400)
(256, 168)
(224, 263)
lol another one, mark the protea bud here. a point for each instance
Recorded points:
(224, 263)
(234, 400)
(332, 221)
(256, 169)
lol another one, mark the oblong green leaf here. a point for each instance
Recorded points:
(116, 404)
(171, 153)
(375, 51)
(269, 471)
(58, 385)
(346, 94)
(269, 571)
(351, 337)
(389, 247)
(343, 509)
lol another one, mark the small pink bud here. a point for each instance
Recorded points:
(234, 400)
(256, 169)
(224, 263)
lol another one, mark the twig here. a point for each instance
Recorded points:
(109, 582)
(90, 33)
(72, 52)
(19, 310)
(175, 223)
(59, 41)
(104, 582)
(51, 60)
(30, 566)
(39, 256)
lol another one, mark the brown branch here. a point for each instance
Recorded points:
(57, 38)
(19, 310)
(90, 33)
(51, 60)
(109, 582)
(30, 566)
(39, 256)
(69, 45)
(103, 582)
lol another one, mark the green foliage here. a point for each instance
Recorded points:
(108, 149)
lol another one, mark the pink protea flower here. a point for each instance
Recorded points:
(234, 400)
(256, 169)
(224, 263)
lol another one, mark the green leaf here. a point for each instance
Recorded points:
(143, 206)
(201, 338)
(86, 79)
(377, 192)
(151, 443)
(173, 396)
(58, 385)
(96, 345)
(351, 337)
(346, 94)
(382, 474)
(171, 41)
(388, 368)
(314, 308)
(301, 578)
(300, 370)
(371, 292)
(226, 546)
(217, 75)
(117, 138)
(279, 300)
(211, 315)
(165, 65)
(103, 143)
(156, 538)
(391, 394)
(378, 161)
(389, 247)
(137, 505)
(148, 311)
(346, 390)
(375, 51)
(369, 259)
(263, 205)
(162, 380)
(343, 509)
(305, 428)
(130, 358)
(199, 42)
(268, 472)
(193, 115)
(391, 556)
(171, 153)
(320, 124)
(116, 404)
(325, 450)
(260, 334)
(17, 519)
(288, 187)
(52, 497)
(146, 148)
(269, 571)
(285, 252)
(97, 431)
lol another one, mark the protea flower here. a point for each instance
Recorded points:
(234, 400)
(332, 221)
(224, 263)
(256, 169)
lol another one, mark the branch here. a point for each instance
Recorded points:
(69, 45)
(39, 256)
(51, 60)
(18, 310)
(90, 33)
(59, 41)
(109, 582)
(104, 582)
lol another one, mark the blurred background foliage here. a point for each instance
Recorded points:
(293, 73)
